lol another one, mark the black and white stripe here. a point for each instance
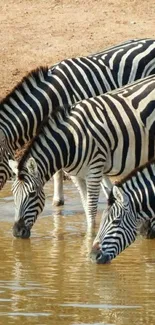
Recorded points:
(131, 206)
(35, 97)
(103, 135)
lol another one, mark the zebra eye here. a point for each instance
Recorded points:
(117, 222)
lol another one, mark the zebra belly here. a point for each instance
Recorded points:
(82, 173)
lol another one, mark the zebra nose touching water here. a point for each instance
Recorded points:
(20, 230)
(110, 134)
(131, 204)
(71, 80)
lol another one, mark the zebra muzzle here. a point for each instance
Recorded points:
(97, 256)
(20, 230)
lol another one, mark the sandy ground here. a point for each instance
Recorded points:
(43, 32)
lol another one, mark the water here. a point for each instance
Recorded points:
(49, 279)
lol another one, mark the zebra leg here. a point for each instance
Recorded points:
(58, 198)
(93, 192)
(80, 184)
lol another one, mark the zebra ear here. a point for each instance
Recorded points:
(14, 166)
(119, 195)
(31, 165)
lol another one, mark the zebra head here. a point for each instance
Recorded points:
(118, 227)
(5, 170)
(29, 197)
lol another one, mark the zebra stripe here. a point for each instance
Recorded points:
(131, 207)
(35, 97)
(80, 140)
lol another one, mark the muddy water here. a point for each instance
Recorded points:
(49, 279)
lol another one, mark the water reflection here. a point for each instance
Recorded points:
(49, 279)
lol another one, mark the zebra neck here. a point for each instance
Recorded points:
(52, 149)
(141, 190)
(22, 112)
(19, 128)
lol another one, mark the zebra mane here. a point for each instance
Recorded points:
(111, 198)
(61, 110)
(35, 74)
(135, 171)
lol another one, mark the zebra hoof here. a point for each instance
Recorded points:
(151, 234)
(58, 203)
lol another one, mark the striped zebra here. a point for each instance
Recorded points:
(71, 80)
(110, 134)
(130, 206)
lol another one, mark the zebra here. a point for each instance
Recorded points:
(110, 134)
(67, 82)
(130, 207)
